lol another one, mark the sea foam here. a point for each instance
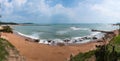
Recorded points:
(75, 28)
(33, 36)
(73, 40)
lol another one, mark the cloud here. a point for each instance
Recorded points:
(20, 2)
(108, 8)
(54, 11)
(42, 11)
(9, 6)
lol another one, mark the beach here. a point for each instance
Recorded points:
(33, 51)
(59, 30)
(62, 33)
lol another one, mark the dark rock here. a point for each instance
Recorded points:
(36, 40)
(94, 38)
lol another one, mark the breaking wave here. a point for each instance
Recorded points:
(33, 36)
(75, 28)
(62, 32)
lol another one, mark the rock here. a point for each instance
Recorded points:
(36, 40)
(94, 38)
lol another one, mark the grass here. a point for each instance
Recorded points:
(116, 40)
(82, 56)
(4, 45)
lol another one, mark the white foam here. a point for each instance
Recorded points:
(58, 40)
(43, 41)
(35, 35)
(97, 34)
(61, 32)
(76, 37)
(75, 28)
(29, 36)
(73, 40)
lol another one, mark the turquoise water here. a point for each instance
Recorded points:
(62, 31)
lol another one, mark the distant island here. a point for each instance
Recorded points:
(8, 23)
(13, 23)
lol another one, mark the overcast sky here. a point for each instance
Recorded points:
(61, 11)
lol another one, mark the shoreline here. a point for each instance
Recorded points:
(33, 51)
(71, 41)
(42, 52)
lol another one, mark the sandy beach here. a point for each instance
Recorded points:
(40, 52)
(58, 30)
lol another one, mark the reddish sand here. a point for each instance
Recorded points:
(39, 52)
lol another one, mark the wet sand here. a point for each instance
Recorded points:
(40, 52)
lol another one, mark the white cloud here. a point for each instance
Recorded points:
(19, 3)
(108, 8)
(40, 10)
(46, 10)
(9, 7)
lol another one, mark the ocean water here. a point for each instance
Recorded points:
(61, 31)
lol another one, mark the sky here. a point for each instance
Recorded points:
(60, 11)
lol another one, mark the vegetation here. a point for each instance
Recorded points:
(106, 53)
(110, 52)
(82, 56)
(116, 43)
(116, 40)
(4, 46)
(6, 29)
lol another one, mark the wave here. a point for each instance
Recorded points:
(88, 38)
(61, 32)
(75, 28)
(72, 40)
(33, 36)
(97, 34)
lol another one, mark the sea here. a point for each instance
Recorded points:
(60, 32)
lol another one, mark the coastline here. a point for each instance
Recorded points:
(71, 34)
(33, 51)
(55, 42)
(42, 52)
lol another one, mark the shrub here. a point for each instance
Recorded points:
(7, 29)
